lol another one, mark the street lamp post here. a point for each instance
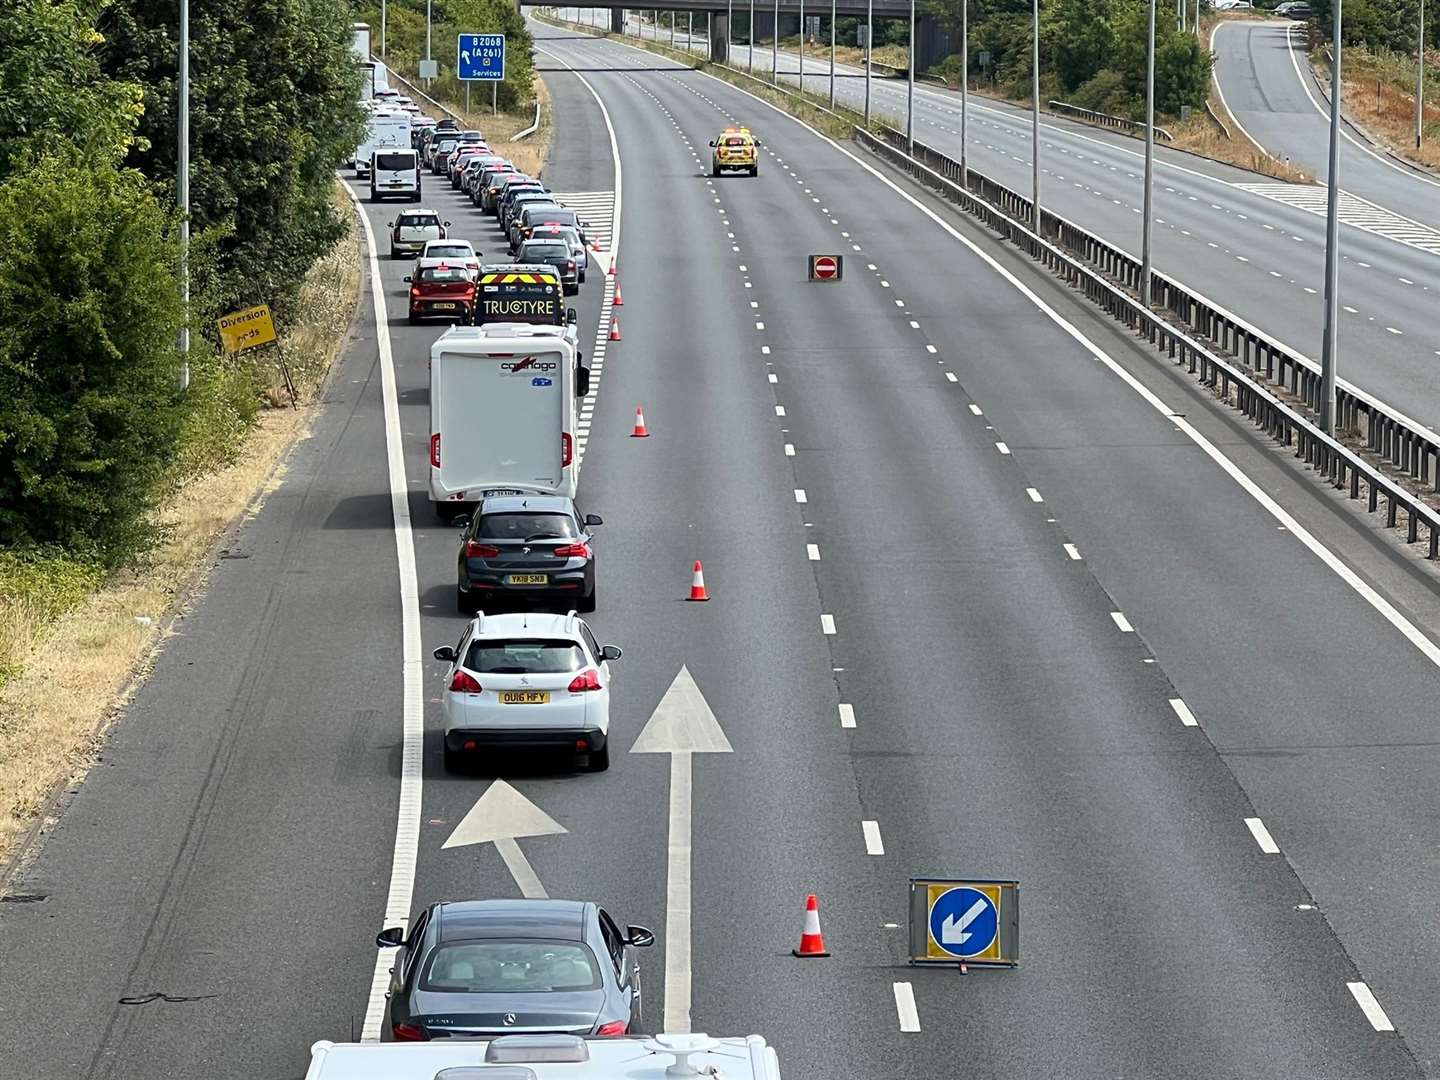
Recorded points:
(869, 47)
(964, 88)
(832, 54)
(750, 56)
(802, 46)
(1034, 111)
(729, 28)
(910, 88)
(1420, 83)
(1332, 243)
(1149, 159)
(382, 27)
(775, 48)
(182, 191)
(428, 26)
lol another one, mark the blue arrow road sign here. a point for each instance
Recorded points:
(480, 57)
(964, 922)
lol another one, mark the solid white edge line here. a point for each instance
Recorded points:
(407, 821)
(1221, 92)
(873, 844)
(1365, 998)
(905, 1007)
(847, 715)
(1183, 712)
(1262, 836)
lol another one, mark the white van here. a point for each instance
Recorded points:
(502, 414)
(549, 1057)
(395, 171)
(385, 129)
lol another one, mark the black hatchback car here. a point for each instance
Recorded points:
(480, 968)
(535, 548)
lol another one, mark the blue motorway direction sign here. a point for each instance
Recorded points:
(480, 57)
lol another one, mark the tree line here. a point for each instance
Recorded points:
(92, 421)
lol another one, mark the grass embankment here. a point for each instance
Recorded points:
(71, 638)
(528, 154)
(1379, 88)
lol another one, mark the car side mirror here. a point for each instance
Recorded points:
(406, 278)
(393, 937)
(571, 317)
(759, 143)
(445, 652)
(582, 381)
(446, 224)
(639, 936)
(611, 652)
(390, 224)
(712, 142)
(592, 520)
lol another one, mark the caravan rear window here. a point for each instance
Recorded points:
(394, 162)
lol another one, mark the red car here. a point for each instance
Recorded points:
(441, 290)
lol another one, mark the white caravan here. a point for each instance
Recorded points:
(387, 129)
(502, 413)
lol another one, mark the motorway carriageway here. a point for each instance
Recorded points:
(1253, 245)
(976, 564)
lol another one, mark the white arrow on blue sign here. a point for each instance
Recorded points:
(480, 57)
(964, 922)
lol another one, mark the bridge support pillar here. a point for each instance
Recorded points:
(932, 43)
(617, 20)
(719, 37)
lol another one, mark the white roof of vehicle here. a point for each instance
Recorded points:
(486, 332)
(549, 1057)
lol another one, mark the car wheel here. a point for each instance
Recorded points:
(587, 603)
(714, 170)
(394, 254)
(599, 760)
(754, 170)
(412, 319)
(453, 761)
(464, 602)
(374, 195)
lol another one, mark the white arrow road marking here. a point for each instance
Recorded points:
(681, 725)
(953, 933)
(501, 817)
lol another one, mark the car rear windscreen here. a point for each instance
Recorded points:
(434, 274)
(394, 162)
(417, 221)
(524, 657)
(526, 526)
(509, 967)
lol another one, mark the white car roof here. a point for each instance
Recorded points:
(527, 624)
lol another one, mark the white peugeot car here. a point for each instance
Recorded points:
(527, 681)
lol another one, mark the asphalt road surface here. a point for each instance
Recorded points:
(1253, 245)
(1021, 552)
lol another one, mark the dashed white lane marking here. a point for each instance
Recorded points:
(773, 377)
(847, 715)
(873, 844)
(1262, 836)
(759, 326)
(1002, 448)
(812, 552)
(800, 496)
(779, 410)
(1035, 495)
(827, 624)
(1121, 622)
(905, 1007)
(976, 410)
(1183, 712)
(950, 375)
(1365, 998)
(931, 349)
(1072, 551)
(789, 449)
(1353, 210)
(764, 350)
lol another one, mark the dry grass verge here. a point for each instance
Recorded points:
(1380, 98)
(529, 154)
(76, 657)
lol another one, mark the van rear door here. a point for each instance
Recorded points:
(501, 418)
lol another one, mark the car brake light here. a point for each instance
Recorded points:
(435, 450)
(465, 683)
(407, 1033)
(569, 264)
(586, 680)
(414, 292)
(573, 551)
(476, 550)
(616, 1027)
(567, 449)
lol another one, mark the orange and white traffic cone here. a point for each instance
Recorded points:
(640, 432)
(619, 300)
(812, 943)
(615, 330)
(697, 583)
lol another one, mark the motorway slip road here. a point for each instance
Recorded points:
(1252, 245)
(916, 494)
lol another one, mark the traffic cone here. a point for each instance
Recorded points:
(812, 943)
(614, 262)
(697, 584)
(639, 432)
(614, 329)
(619, 300)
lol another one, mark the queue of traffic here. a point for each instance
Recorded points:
(527, 989)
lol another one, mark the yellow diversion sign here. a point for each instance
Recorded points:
(246, 329)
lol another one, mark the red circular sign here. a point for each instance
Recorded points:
(825, 266)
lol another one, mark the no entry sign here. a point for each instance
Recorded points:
(827, 267)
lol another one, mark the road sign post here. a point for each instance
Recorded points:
(955, 921)
(827, 267)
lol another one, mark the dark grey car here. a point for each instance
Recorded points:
(558, 254)
(478, 968)
(530, 548)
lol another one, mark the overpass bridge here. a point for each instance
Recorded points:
(933, 41)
